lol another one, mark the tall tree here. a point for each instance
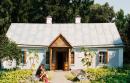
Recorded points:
(101, 13)
(120, 21)
(127, 44)
(9, 49)
(128, 27)
(65, 12)
(123, 23)
(37, 11)
(5, 15)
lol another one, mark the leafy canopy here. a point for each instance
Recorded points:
(9, 49)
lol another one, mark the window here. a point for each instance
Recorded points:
(72, 57)
(24, 57)
(103, 56)
(47, 57)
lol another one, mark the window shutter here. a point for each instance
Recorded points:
(107, 57)
(72, 57)
(25, 57)
(98, 56)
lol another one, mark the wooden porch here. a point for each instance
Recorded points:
(60, 54)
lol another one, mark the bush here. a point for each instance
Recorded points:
(14, 76)
(9, 49)
(50, 74)
(108, 75)
(70, 76)
(94, 74)
(126, 66)
(83, 81)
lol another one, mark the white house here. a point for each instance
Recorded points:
(57, 46)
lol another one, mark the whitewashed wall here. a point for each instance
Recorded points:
(115, 58)
(77, 59)
(120, 57)
(40, 60)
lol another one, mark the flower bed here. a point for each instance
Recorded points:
(108, 75)
(104, 75)
(14, 76)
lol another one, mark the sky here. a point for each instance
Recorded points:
(117, 4)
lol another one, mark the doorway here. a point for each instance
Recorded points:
(60, 60)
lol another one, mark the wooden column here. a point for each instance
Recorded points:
(50, 58)
(25, 56)
(69, 59)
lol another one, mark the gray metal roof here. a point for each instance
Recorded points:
(83, 34)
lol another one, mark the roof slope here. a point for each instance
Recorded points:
(84, 34)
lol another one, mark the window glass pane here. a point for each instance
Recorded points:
(22, 57)
(102, 57)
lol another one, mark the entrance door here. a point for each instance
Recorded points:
(60, 60)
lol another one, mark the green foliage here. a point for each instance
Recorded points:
(123, 24)
(108, 75)
(104, 75)
(50, 74)
(121, 21)
(88, 53)
(70, 76)
(14, 76)
(9, 49)
(101, 13)
(83, 81)
(62, 11)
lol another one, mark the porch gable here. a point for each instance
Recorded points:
(60, 41)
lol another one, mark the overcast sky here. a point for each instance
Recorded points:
(117, 4)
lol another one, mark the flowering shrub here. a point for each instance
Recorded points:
(14, 76)
(108, 75)
(104, 75)
(70, 76)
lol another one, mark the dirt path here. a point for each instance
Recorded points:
(59, 77)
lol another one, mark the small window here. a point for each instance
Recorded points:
(72, 57)
(103, 57)
(47, 57)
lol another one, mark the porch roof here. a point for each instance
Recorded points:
(83, 34)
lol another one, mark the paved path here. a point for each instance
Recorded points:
(59, 77)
